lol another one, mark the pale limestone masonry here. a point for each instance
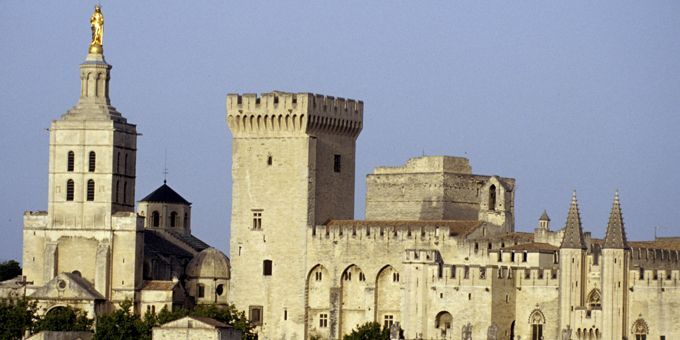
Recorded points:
(437, 253)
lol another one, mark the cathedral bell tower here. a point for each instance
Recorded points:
(90, 228)
(572, 266)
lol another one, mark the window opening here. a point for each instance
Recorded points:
(337, 163)
(267, 267)
(93, 162)
(255, 315)
(201, 290)
(90, 190)
(389, 321)
(155, 218)
(69, 190)
(323, 320)
(269, 160)
(257, 219)
(492, 197)
(173, 219)
(70, 161)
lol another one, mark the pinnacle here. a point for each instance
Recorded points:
(616, 233)
(573, 234)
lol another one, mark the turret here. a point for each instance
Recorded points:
(614, 279)
(572, 266)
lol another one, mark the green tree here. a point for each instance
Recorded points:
(64, 319)
(9, 270)
(16, 317)
(369, 331)
(122, 324)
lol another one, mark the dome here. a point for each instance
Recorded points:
(210, 263)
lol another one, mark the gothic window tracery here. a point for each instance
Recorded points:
(640, 329)
(536, 320)
(594, 299)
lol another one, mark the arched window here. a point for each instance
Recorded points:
(219, 290)
(173, 219)
(90, 190)
(92, 162)
(155, 218)
(640, 329)
(536, 320)
(69, 190)
(594, 299)
(70, 161)
(443, 322)
(492, 197)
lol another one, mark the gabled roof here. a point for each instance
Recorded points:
(573, 234)
(616, 234)
(165, 194)
(67, 286)
(159, 285)
(196, 322)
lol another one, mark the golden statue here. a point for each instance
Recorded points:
(97, 24)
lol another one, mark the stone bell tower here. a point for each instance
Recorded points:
(91, 191)
(292, 168)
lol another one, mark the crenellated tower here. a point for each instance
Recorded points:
(615, 257)
(292, 168)
(572, 266)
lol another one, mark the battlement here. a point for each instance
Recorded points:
(655, 278)
(277, 112)
(428, 231)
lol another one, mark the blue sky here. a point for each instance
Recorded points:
(562, 96)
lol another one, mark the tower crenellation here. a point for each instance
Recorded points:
(293, 113)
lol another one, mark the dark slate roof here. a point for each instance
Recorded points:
(193, 241)
(573, 234)
(544, 216)
(165, 194)
(616, 234)
(158, 244)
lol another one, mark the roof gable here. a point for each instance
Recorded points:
(165, 194)
(67, 286)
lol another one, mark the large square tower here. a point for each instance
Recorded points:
(292, 168)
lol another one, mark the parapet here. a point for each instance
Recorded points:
(429, 164)
(293, 112)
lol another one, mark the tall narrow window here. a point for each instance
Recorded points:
(267, 267)
(92, 162)
(492, 197)
(201, 290)
(125, 170)
(115, 199)
(186, 220)
(70, 161)
(173, 219)
(269, 160)
(124, 192)
(323, 320)
(69, 190)
(118, 162)
(155, 218)
(90, 190)
(337, 159)
(257, 219)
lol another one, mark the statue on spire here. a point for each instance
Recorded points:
(97, 25)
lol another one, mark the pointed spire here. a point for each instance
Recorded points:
(573, 234)
(616, 233)
(544, 216)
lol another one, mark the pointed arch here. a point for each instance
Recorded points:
(492, 197)
(594, 299)
(353, 303)
(387, 296)
(318, 304)
(640, 328)
(443, 321)
(536, 322)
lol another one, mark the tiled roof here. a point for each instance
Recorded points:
(193, 241)
(165, 194)
(159, 285)
(153, 242)
(665, 244)
(533, 247)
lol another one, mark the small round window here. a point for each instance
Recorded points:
(219, 290)
(61, 284)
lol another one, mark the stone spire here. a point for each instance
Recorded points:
(616, 233)
(573, 235)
